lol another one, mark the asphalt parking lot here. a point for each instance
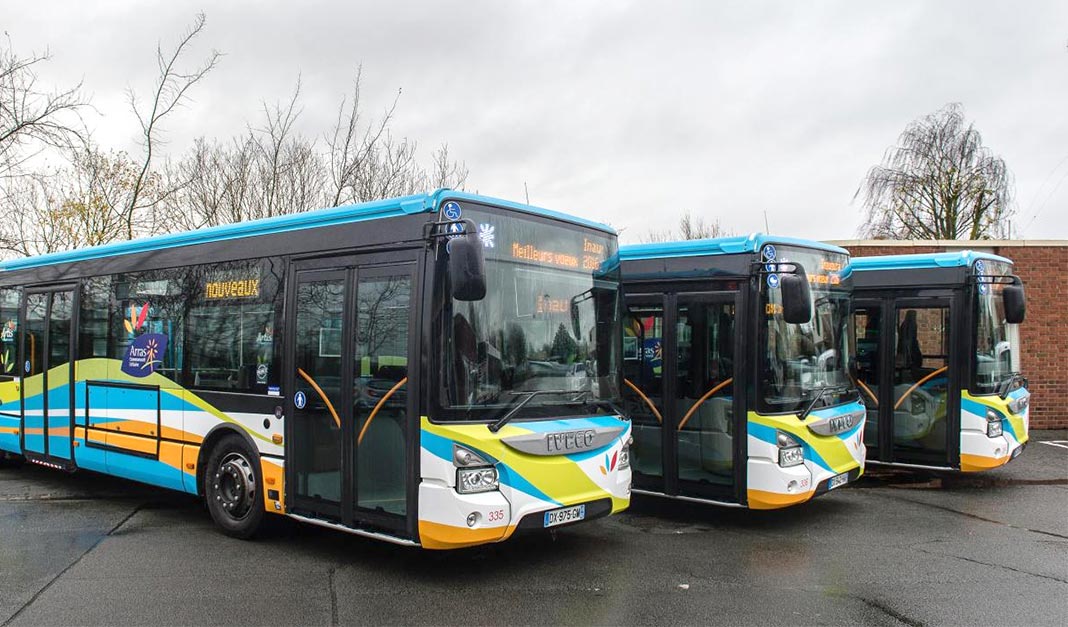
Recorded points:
(897, 548)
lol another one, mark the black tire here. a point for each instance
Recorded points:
(233, 485)
(10, 460)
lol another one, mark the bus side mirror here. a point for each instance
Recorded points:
(467, 268)
(1015, 302)
(796, 297)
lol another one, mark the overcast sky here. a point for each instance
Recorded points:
(625, 112)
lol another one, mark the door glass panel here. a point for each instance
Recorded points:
(866, 321)
(34, 346)
(921, 380)
(643, 397)
(704, 392)
(59, 322)
(381, 392)
(317, 425)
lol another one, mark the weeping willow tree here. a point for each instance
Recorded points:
(939, 182)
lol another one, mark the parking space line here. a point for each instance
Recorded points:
(1057, 443)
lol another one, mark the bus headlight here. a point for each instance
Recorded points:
(993, 424)
(475, 480)
(790, 451)
(1017, 406)
(624, 457)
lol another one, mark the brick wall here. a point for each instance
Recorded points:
(1043, 266)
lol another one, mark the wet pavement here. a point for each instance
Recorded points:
(898, 548)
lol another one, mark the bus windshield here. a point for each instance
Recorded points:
(800, 362)
(546, 334)
(997, 343)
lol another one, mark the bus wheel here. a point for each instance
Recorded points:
(232, 487)
(10, 460)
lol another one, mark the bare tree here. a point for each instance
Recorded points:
(446, 173)
(939, 182)
(32, 118)
(690, 227)
(171, 91)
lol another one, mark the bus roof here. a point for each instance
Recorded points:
(404, 205)
(717, 246)
(959, 259)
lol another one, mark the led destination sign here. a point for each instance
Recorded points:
(246, 288)
(590, 258)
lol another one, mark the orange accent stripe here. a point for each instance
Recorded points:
(763, 499)
(918, 384)
(868, 390)
(719, 387)
(645, 398)
(322, 395)
(433, 535)
(378, 406)
(976, 463)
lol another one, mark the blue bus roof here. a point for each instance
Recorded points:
(960, 259)
(405, 205)
(718, 246)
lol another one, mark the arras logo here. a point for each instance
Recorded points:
(145, 351)
(144, 354)
(609, 465)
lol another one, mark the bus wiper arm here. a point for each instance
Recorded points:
(528, 396)
(820, 391)
(1006, 386)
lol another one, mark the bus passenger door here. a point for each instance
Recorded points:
(349, 424)
(704, 418)
(643, 389)
(679, 366)
(47, 385)
(867, 370)
(924, 411)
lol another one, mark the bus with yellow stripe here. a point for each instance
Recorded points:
(735, 357)
(938, 359)
(439, 370)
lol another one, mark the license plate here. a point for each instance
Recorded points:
(564, 515)
(838, 480)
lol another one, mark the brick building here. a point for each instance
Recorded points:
(1043, 266)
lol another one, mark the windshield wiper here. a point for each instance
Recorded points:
(820, 391)
(1007, 385)
(528, 396)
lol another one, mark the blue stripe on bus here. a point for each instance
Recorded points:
(392, 207)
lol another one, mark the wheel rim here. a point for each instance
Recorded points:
(235, 486)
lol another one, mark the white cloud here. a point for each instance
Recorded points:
(624, 112)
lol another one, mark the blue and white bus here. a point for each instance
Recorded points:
(438, 370)
(938, 359)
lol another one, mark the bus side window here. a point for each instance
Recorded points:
(93, 320)
(230, 339)
(9, 316)
(149, 303)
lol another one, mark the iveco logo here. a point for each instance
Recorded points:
(563, 442)
(836, 424)
(569, 441)
(839, 424)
